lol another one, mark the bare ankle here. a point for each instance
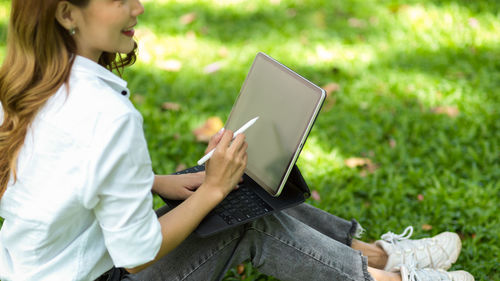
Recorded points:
(381, 275)
(377, 257)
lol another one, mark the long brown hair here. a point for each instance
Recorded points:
(38, 61)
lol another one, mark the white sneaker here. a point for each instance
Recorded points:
(438, 252)
(429, 274)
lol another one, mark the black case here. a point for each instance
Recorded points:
(294, 193)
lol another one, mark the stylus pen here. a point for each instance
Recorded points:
(239, 131)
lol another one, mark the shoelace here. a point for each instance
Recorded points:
(415, 275)
(392, 238)
(412, 269)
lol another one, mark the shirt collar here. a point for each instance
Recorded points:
(86, 65)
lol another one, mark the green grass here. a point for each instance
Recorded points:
(395, 63)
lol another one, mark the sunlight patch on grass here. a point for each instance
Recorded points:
(4, 11)
(450, 26)
(250, 6)
(316, 160)
(358, 56)
(227, 2)
(157, 50)
(427, 88)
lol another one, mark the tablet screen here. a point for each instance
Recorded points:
(287, 105)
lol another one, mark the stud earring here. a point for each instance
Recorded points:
(72, 31)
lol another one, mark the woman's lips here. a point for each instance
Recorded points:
(129, 33)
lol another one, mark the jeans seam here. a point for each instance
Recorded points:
(286, 243)
(367, 275)
(211, 256)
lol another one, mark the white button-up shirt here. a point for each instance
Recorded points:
(82, 200)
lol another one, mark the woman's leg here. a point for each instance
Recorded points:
(377, 257)
(330, 225)
(340, 230)
(278, 245)
(380, 275)
(440, 251)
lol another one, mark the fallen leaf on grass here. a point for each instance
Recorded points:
(315, 195)
(208, 129)
(213, 67)
(291, 13)
(354, 162)
(426, 227)
(331, 100)
(171, 106)
(223, 52)
(357, 23)
(188, 18)
(368, 167)
(240, 269)
(331, 88)
(451, 111)
(138, 98)
(392, 143)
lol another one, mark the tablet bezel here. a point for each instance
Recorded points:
(262, 58)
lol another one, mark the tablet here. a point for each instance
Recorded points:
(287, 105)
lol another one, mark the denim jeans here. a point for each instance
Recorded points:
(300, 243)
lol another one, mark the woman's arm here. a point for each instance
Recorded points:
(176, 225)
(223, 172)
(177, 187)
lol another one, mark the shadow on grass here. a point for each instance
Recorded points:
(3, 33)
(418, 152)
(348, 21)
(476, 7)
(230, 25)
(443, 157)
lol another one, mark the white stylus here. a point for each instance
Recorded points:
(239, 131)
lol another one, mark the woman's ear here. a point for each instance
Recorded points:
(65, 15)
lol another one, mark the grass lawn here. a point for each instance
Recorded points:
(410, 132)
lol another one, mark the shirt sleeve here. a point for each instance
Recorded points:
(119, 192)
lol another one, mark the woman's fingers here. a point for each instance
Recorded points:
(224, 141)
(237, 145)
(226, 166)
(214, 140)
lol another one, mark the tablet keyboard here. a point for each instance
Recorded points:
(240, 204)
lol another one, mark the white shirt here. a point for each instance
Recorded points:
(82, 201)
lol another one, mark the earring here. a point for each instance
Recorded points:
(72, 31)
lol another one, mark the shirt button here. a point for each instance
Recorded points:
(124, 93)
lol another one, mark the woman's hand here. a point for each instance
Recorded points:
(223, 171)
(225, 168)
(178, 187)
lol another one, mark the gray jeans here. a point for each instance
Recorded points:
(301, 243)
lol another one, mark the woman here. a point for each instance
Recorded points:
(76, 177)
